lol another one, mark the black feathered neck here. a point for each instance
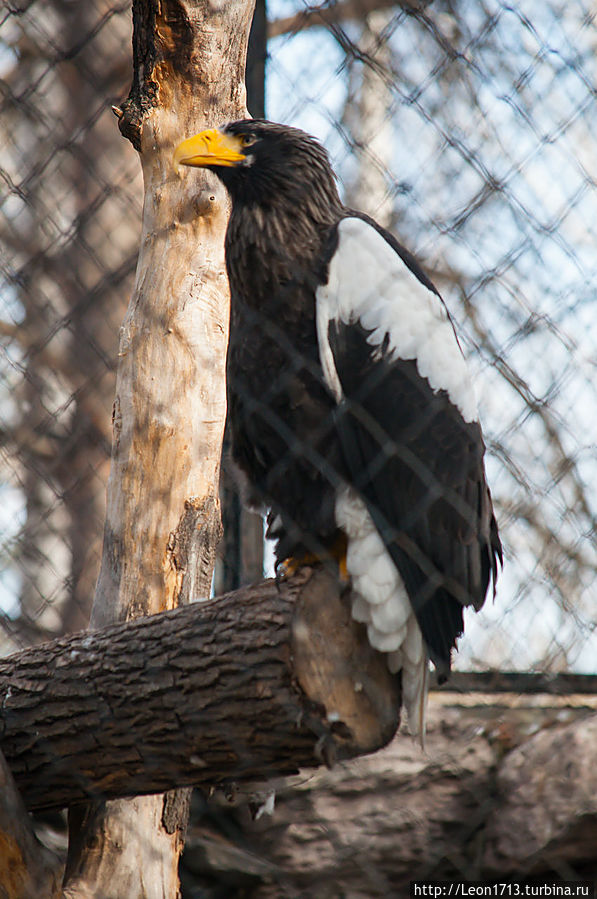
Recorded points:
(285, 203)
(286, 170)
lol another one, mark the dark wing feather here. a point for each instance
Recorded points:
(419, 467)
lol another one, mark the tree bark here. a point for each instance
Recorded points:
(162, 518)
(252, 685)
(27, 869)
(506, 788)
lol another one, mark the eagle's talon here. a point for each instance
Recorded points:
(343, 575)
(288, 567)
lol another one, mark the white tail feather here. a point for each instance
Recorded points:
(381, 602)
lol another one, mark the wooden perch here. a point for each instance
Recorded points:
(254, 684)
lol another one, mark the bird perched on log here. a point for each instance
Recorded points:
(353, 418)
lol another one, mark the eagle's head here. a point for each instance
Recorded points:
(263, 163)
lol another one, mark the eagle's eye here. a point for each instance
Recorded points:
(247, 140)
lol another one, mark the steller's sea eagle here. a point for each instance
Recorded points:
(352, 414)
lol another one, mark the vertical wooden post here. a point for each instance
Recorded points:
(241, 550)
(256, 61)
(162, 521)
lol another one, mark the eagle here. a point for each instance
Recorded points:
(353, 418)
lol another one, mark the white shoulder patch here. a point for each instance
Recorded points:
(369, 283)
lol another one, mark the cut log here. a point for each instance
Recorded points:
(252, 685)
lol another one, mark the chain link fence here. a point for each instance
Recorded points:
(69, 228)
(468, 129)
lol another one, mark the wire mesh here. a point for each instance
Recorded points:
(468, 129)
(69, 230)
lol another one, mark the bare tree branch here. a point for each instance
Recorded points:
(325, 14)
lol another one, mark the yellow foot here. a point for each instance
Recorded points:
(292, 564)
(343, 570)
(335, 553)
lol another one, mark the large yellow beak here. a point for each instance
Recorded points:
(210, 147)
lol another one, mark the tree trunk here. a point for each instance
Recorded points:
(256, 61)
(369, 121)
(469, 807)
(162, 517)
(240, 557)
(27, 869)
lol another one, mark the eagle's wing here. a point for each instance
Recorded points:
(406, 418)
